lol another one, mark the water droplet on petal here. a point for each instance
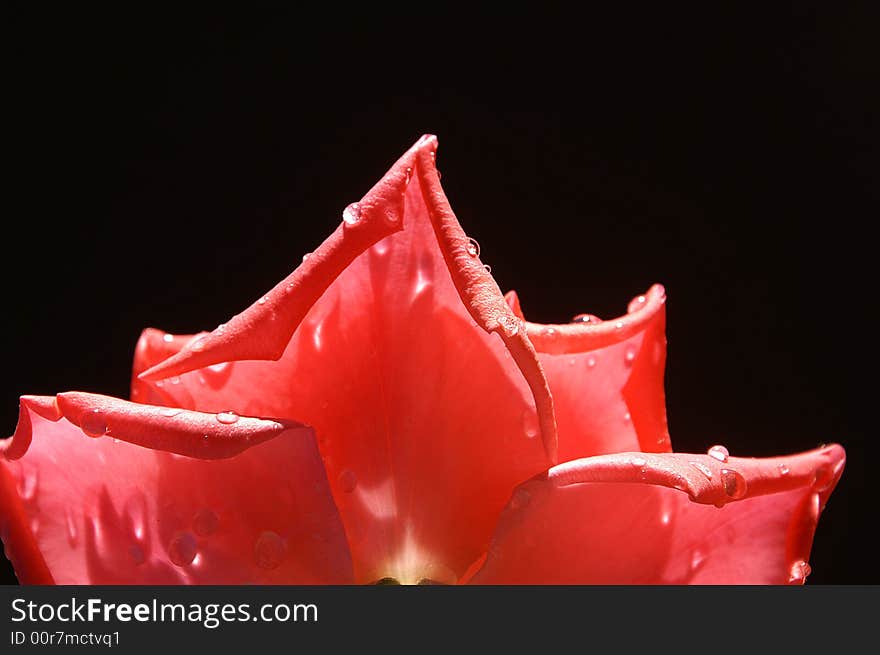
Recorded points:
(348, 481)
(630, 355)
(168, 412)
(618, 325)
(734, 483)
(550, 331)
(263, 300)
(137, 554)
(352, 214)
(72, 532)
(586, 318)
(408, 174)
(488, 268)
(530, 423)
(636, 304)
(167, 338)
(93, 423)
(205, 522)
(718, 452)
(27, 486)
(306, 256)
(473, 248)
(196, 346)
(182, 549)
(823, 478)
(174, 379)
(783, 469)
(639, 461)
(702, 468)
(697, 559)
(269, 550)
(799, 572)
(679, 482)
(521, 498)
(627, 417)
(591, 361)
(227, 417)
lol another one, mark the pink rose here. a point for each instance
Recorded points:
(385, 414)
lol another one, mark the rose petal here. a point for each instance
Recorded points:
(425, 418)
(155, 346)
(639, 518)
(80, 510)
(607, 379)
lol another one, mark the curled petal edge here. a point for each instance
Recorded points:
(183, 432)
(571, 338)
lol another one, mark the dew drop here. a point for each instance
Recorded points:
(591, 361)
(168, 412)
(799, 572)
(636, 304)
(529, 420)
(348, 481)
(822, 479)
(306, 256)
(72, 532)
(586, 318)
(263, 300)
(174, 379)
(93, 423)
(627, 417)
(269, 550)
(639, 462)
(702, 468)
(718, 452)
(408, 174)
(473, 248)
(182, 549)
(28, 485)
(167, 338)
(550, 331)
(630, 355)
(734, 483)
(679, 482)
(227, 418)
(205, 522)
(521, 498)
(572, 361)
(697, 559)
(618, 325)
(352, 214)
(137, 554)
(197, 346)
(488, 268)
(784, 470)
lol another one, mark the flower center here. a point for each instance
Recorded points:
(395, 581)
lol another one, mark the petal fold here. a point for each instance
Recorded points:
(641, 518)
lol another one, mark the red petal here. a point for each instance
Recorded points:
(425, 418)
(79, 510)
(607, 379)
(623, 519)
(153, 347)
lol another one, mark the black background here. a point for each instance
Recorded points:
(165, 168)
